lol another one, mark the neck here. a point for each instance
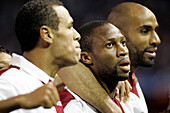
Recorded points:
(133, 68)
(42, 60)
(109, 86)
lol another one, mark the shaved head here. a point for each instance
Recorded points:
(126, 13)
(139, 26)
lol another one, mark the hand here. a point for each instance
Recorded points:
(123, 90)
(46, 96)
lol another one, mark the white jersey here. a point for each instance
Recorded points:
(21, 78)
(72, 103)
(136, 102)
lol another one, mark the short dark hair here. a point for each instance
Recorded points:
(86, 32)
(31, 17)
(2, 49)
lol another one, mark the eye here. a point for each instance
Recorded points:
(1, 68)
(123, 42)
(156, 29)
(70, 27)
(109, 45)
(144, 31)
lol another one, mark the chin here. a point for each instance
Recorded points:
(71, 62)
(123, 77)
(148, 63)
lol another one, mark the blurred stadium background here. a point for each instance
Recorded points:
(154, 81)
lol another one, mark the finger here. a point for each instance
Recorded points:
(122, 90)
(54, 93)
(50, 88)
(55, 96)
(119, 90)
(128, 88)
(117, 93)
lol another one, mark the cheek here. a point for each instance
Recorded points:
(108, 60)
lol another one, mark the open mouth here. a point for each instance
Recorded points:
(125, 66)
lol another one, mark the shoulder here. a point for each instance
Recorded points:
(72, 103)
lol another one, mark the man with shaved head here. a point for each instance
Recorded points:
(139, 26)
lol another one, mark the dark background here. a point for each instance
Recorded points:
(154, 81)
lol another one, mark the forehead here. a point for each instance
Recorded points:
(107, 31)
(63, 15)
(145, 17)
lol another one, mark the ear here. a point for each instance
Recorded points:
(46, 34)
(86, 58)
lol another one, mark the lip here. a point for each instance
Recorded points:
(77, 46)
(151, 52)
(125, 65)
(78, 49)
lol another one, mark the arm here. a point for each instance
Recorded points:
(46, 96)
(88, 88)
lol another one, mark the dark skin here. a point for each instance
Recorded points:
(139, 25)
(87, 58)
(140, 31)
(109, 52)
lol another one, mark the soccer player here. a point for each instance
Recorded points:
(105, 53)
(44, 29)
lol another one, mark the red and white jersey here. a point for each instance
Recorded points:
(72, 103)
(136, 102)
(23, 77)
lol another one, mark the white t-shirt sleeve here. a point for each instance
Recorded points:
(7, 90)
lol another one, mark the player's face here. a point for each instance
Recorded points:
(66, 46)
(110, 55)
(143, 39)
(4, 60)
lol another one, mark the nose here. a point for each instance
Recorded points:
(122, 50)
(155, 40)
(76, 36)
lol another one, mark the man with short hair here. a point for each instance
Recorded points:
(105, 53)
(44, 29)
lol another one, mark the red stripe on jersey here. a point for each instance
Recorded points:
(65, 97)
(133, 84)
(59, 109)
(11, 66)
(118, 103)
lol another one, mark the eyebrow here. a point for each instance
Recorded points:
(148, 27)
(145, 26)
(109, 39)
